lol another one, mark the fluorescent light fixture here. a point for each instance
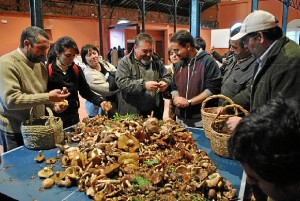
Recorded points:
(123, 21)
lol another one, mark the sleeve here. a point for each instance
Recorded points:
(213, 76)
(243, 98)
(165, 75)
(85, 90)
(11, 92)
(126, 78)
(98, 83)
(217, 56)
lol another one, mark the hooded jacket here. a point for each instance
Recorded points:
(191, 79)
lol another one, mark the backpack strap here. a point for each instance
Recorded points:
(50, 70)
(75, 68)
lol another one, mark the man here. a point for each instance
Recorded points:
(278, 71)
(197, 78)
(266, 143)
(141, 78)
(24, 85)
(239, 72)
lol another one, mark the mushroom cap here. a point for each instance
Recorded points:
(40, 157)
(46, 172)
(48, 183)
(128, 143)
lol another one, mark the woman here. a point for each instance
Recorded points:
(169, 109)
(63, 72)
(100, 75)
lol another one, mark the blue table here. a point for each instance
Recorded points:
(19, 180)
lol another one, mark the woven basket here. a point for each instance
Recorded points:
(209, 114)
(42, 133)
(220, 132)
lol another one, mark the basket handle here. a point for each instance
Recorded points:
(213, 97)
(51, 116)
(236, 107)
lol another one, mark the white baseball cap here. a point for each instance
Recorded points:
(258, 20)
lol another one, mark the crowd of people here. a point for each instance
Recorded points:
(260, 72)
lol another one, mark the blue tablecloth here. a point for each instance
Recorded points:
(19, 180)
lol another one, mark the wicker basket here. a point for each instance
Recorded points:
(42, 133)
(220, 132)
(209, 114)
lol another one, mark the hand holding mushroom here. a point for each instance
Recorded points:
(106, 106)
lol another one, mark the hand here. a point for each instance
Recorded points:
(151, 85)
(232, 122)
(58, 95)
(212, 49)
(64, 90)
(180, 102)
(162, 86)
(60, 107)
(106, 106)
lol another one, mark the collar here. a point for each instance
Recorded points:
(61, 66)
(246, 62)
(22, 54)
(264, 57)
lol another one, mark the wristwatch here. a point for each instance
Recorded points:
(189, 102)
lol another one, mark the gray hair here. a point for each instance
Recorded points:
(31, 34)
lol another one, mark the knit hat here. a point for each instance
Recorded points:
(257, 21)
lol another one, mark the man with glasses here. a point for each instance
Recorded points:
(239, 71)
(197, 78)
(23, 85)
(278, 69)
(142, 77)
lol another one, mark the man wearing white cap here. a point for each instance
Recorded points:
(278, 69)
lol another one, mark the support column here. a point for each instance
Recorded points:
(36, 13)
(195, 18)
(285, 15)
(175, 14)
(254, 5)
(100, 28)
(143, 15)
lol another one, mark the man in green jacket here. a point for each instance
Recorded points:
(23, 85)
(278, 66)
(278, 69)
(142, 78)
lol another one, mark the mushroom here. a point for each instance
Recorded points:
(213, 180)
(109, 170)
(50, 160)
(58, 176)
(66, 182)
(40, 158)
(48, 183)
(152, 125)
(129, 158)
(74, 172)
(128, 143)
(45, 173)
(99, 196)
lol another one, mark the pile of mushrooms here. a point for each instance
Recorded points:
(137, 159)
